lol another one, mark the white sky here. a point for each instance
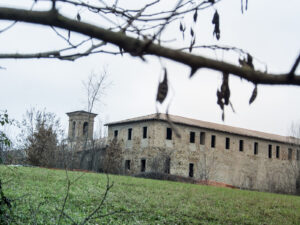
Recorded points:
(269, 30)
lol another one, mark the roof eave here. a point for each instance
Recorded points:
(197, 126)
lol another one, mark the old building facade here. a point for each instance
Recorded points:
(208, 151)
(81, 129)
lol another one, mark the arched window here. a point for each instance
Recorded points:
(73, 129)
(85, 129)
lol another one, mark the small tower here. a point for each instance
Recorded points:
(81, 126)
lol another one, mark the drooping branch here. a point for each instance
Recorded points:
(138, 47)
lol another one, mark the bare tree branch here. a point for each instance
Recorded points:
(66, 197)
(60, 35)
(293, 70)
(57, 54)
(137, 47)
(95, 87)
(108, 187)
(8, 27)
(50, 54)
(66, 215)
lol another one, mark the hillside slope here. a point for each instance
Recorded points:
(40, 194)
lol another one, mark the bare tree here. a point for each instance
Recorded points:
(112, 161)
(294, 161)
(207, 164)
(95, 87)
(140, 31)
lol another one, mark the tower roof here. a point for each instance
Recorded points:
(81, 112)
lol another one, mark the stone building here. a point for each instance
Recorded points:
(81, 129)
(208, 151)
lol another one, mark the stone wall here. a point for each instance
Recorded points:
(80, 118)
(92, 159)
(243, 169)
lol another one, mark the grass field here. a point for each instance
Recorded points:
(39, 194)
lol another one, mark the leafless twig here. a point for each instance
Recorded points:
(8, 27)
(66, 197)
(98, 208)
(293, 70)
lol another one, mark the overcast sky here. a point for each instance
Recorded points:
(269, 30)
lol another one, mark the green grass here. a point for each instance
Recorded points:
(40, 192)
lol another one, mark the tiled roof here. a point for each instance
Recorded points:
(204, 124)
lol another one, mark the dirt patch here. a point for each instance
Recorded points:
(169, 177)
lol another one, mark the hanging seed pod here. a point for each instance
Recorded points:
(219, 101)
(195, 16)
(192, 32)
(223, 94)
(216, 22)
(192, 44)
(162, 89)
(225, 88)
(180, 27)
(78, 17)
(253, 96)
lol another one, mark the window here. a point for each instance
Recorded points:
(213, 141)
(202, 138)
(85, 129)
(129, 133)
(290, 154)
(116, 133)
(73, 129)
(255, 148)
(191, 170)
(227, 143)
(298, 154)
(277, 152)
(241, 145)
(270, 151)
(127, 164)
(143, 165)
(192, 137)
(144, 132)
(169, 133)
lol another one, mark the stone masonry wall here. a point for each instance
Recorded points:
(243, 169)
(79, 120)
